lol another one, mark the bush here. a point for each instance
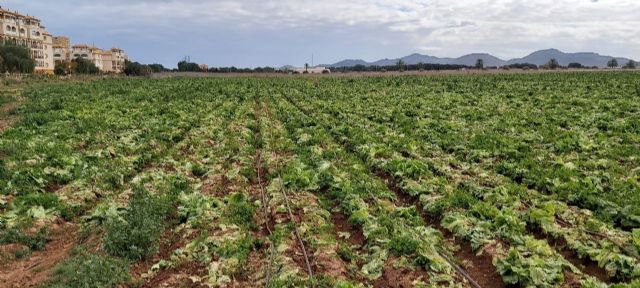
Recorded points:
(85, 269)
(136, 235)
(199, 170)
(34, 242)
(46, 200)
(137, 69)
(60, 69)
(239, 210)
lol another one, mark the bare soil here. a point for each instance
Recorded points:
(179, 277)
(38, 267)
(399, 277)
(341, 224)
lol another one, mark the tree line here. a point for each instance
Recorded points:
(613, 63)
(17, 59)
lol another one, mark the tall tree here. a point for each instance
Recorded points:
(400, 65)
(186, 66)
(631, 65)
(479, 64)
(613, 63)
(16, 59)
(553, 64)
(84, 66)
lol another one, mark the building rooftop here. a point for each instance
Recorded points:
(17, 14)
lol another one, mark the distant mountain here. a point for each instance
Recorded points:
(585, 58)
(349, 63)
(539, 58)
(470, 60)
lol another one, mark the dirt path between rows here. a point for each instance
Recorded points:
(38, 267)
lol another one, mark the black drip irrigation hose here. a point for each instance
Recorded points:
(455, 266)
(295, 230)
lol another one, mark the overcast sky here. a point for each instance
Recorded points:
(278, 32)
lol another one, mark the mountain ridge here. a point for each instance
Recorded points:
(539, 58)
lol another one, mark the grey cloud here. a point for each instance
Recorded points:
(284, 31)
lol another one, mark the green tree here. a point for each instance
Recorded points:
(479, 64)
(84, 66)
(576, 65)
(631, 65)
(60, 68)
(306, 67)
(553, 64)
(613, 63)
(137, 69)
(157, 68)
(185, 66)
(16, 59)
(400, 65)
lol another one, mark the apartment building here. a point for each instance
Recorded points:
(112, 60)
(118, 58)
(61, 49)
(47, 50)
(27, 31)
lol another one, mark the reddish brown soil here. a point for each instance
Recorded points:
(169, 242)
(178, 277)
(399, 277)
(587, 266)
(485, 272)
(331, 266)
(38, 267)
(571, 280)
(216, 185)
(295, 252)
(341, 224)
(479, 267)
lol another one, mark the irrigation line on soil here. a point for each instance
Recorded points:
(456, 267)
(265, 206)
(265, 203)
(295, 227)
(460, 270)
(295, 231)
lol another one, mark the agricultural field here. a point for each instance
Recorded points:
(496, 180)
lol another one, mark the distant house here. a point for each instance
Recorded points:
(203, 67)
(312, 70)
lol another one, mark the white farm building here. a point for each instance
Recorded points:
(312, 70)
